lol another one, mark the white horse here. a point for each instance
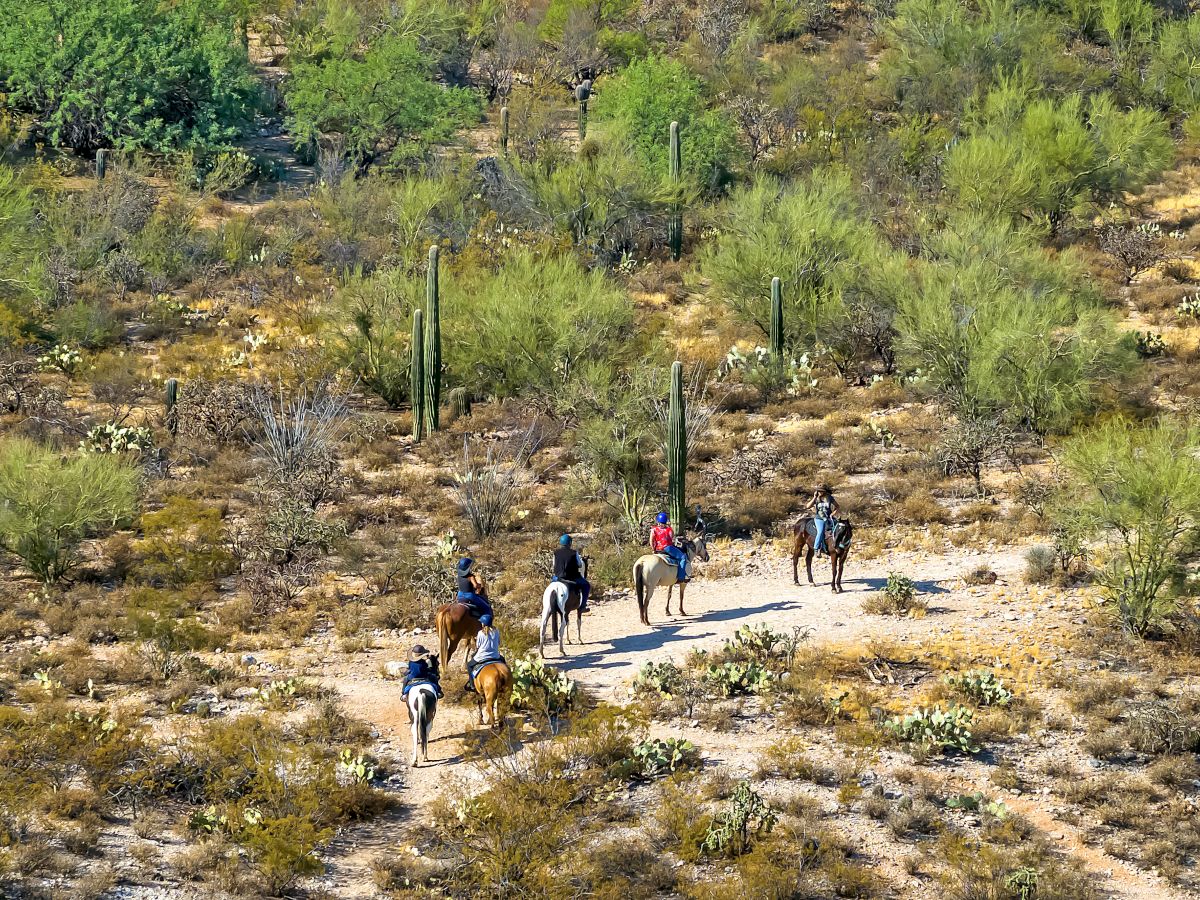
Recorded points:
(422, 707)
(558, 602)
(653, 571)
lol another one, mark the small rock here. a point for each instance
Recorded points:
(249, 660)
(394, 668)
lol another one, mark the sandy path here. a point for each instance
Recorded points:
(616, 646)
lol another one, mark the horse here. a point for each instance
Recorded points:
(493, 688)
(455, 624)
(837, 541)
(558, 602)
(651, 571)
(422, 707)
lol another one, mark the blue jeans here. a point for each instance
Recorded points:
(822, 526)
(677, 556)
(585, 589)
(474, 600)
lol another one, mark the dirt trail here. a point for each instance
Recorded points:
(616, 646)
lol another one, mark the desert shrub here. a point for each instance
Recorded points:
(1161, 727)
(1041, 565)
(214, 410)
(731, 679)
(982, 686)
(542, 688)
(382, 103)
(1138, 487)
(183, 79)
(935, 729)
(1171, 73)
(664, 678)
(49, 504)
(899, 597)
(89, 325)
(299, 440)
(489, 488)
(744, 821)
(182, 543)
(657, 758)
(21, 264)
(969, 444)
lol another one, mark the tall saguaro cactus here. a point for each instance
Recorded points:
(675, 226)
(101, 164)
(776, 319)
(677, 449)
(172, 398)
(433, 345)
(582, 92)
(417, 376)
(504, 131)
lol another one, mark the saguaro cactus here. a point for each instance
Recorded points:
(433, 344)
(172, 417)
(582, 92)
(101, 164)
(675, 226)
(677, 449)
(504, 131)
(776, 319)
(417, 376)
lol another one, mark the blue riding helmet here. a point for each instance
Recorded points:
(662, 518)
(465, 565)
(486, 620)
(565, 540)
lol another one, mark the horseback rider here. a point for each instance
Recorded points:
(487, 649)
(662, 540)
(422, 669)
(568, 568)
(825, 510)
(470, 589)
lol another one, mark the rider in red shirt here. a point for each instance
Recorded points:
(662, 540)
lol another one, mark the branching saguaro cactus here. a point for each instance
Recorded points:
(504, 131)
(582, 92)
(675, 226)
(417, 375)
(776, 319)
(677, 449)
(433, 345)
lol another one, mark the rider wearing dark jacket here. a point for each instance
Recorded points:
(422, 669)
(568, 568)
(470, 588)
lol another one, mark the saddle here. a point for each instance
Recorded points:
(833, 536)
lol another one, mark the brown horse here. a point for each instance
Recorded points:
(455, 624)
(493, 688)
(837, 541)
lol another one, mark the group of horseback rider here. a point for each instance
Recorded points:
(568, 569)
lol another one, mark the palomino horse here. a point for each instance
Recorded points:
(455, 624)
(652, 571)
(837, 541)
(422, 707)
(493, 687)
(557, 605)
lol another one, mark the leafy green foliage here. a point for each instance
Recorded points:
(648, 95)
(382, 105)
(1174, 70)
(656, 758)
(981, 686)
(664, 678)
(49, 504)
(733, 679)
(537, 686)
(21, 266)
(1138, 488)
(131, 74)
(936, 728)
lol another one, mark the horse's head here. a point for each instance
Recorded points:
(696, 547)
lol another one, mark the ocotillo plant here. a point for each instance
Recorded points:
(677, 449)
(582, 92)
(776, 319)
(504, 131)
(417, 376)
(101, 164)
(172, 417)
(433, 344)
(675, 226)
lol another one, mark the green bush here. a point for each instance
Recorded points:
(655, 758)
(49, 503)
(132, 74)
(744, 821)
(1137, 488)
(1041, 564)
(733, 679)
(936, 728)
(542, 688)
(183, 543)
(982, 686)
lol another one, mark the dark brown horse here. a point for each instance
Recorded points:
(837, 542)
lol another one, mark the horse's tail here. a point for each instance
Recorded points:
(443, 628)
(554, 614)
(639, 583)
(421, 717)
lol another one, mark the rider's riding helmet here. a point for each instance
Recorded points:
(465, 565)
(565, 540)
(662, 518)
(486, 620)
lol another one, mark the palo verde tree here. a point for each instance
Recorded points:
(1138, 488)
(130, 74)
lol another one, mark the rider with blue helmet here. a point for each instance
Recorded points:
(568, 568)
(662, 540)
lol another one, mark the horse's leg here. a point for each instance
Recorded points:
(833, 570)
(646, 604)
(808, 555)
(682, 611)
(563, 624)
(796, 562)
(670, 590)
(579, 624)
(542, 630)
(416, 730)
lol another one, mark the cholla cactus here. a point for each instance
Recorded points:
(114, 438)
